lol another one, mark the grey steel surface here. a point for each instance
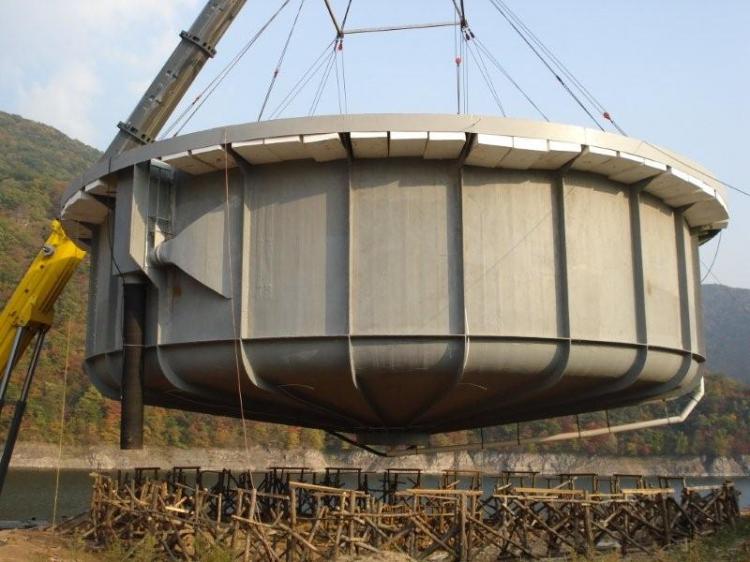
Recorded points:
(401, 294)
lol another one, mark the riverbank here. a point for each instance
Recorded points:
(45, 456)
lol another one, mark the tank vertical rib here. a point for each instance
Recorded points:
(134, 317)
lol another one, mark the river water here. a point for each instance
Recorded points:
(29, 494)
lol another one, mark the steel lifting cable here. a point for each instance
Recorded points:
(457, 59)
(308, 75)
(338, 84)
(343, 81)
(206, 93)
(484, 71)
(465, 78)
(277, 69)
(562, 67)
(547, 64)
(530, 37)
(323, 81)
(496, 63)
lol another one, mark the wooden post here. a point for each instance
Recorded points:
(291, 542)
(588, 526)
(463, 551)
(666, 520)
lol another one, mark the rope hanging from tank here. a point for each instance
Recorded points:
(343, 65)
(236, 335)
(280, 62)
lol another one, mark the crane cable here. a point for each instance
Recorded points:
(308, 75)
(479, 61)
(496, 63)
(277, 69)
(548, 58)
(324, 79)
(343, 65)
(563, 68)
(481, 52)
(547, 64)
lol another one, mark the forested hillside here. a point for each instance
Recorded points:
(726, 318)
(36, 161)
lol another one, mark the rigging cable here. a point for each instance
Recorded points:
(547, 64)
(502, 6)
(323, 81)
(277, 69)
(484, 71)
(338, 84)
(341, 51)
(308, 75)
(206, 93)
(465, 61)
(493, 60)
(457, 59)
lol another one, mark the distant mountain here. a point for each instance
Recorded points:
(726, 320)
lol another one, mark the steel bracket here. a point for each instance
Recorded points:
(195, 40)
(134, 133)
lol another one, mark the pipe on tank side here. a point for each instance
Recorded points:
(134, 320)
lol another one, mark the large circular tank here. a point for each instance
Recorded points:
(411, 274)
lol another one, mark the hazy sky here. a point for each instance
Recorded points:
(673, 72)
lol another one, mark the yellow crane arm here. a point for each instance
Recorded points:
(32, 303)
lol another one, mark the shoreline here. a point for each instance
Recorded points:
(44, 456)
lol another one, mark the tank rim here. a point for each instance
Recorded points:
(688, 182)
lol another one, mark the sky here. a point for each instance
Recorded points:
(673, 72)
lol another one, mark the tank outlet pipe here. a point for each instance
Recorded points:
(197, 45)
(133, 341)
(696, 397)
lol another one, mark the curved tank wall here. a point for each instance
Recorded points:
(403, 274)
